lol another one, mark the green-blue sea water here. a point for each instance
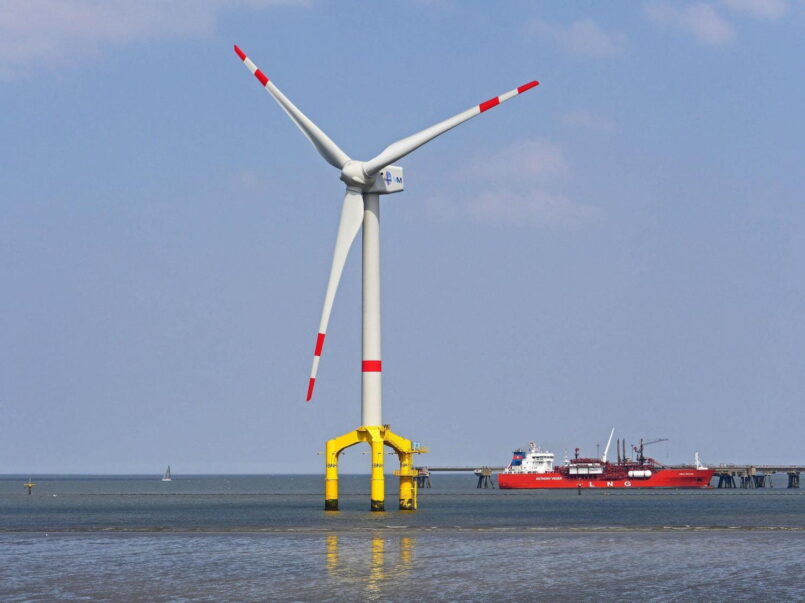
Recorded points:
(212, 538)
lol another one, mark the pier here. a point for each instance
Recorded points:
(484, 474)
(755, 476)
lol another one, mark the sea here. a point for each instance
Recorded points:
(267, 538)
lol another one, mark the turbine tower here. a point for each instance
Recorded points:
(365, 182)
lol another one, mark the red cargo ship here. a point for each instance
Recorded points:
(534, 468)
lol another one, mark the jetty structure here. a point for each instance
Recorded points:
(484, 474)
(365, 182)
(756, 476)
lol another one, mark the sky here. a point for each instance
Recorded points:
(622, 246)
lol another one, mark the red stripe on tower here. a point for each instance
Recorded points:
(310, 388)
(527, 86)
(372, 366)
(261, 76)
(319, 344)
(240, 53)
(492, 102)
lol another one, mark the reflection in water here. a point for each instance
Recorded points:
(331, 552)
(376, 572)
(406, 552)
(350, 556)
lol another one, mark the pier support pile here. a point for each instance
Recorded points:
(423, 478)
(726, 480)
(748, 477)
(485, 479)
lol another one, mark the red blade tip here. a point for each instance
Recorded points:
(310, 389)
(527, 86)
(240, 53)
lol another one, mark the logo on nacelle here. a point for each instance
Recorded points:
(387, 181)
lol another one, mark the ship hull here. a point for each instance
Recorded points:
(665, 478)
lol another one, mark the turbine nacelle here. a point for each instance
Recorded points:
(388, 180)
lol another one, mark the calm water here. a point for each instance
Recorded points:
(267, 538)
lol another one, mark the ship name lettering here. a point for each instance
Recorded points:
(627, 484)
(610, 484)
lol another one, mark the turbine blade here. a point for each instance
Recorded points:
(326, 147)
(348, 227)
(401, 148)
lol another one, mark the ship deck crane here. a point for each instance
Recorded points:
(639, 449)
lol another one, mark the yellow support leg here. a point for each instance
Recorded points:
(331, 476)
(333, 448)
(405, 450)
(378, 488)
(407, 484)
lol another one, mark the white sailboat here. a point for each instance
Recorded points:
(167, 477)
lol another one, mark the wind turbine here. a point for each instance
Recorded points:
(365, 182)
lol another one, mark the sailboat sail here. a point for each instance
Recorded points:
(167, 477)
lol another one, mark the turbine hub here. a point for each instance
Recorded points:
(353, 175)
(386, 181)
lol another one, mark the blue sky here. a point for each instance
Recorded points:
(622, 246)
